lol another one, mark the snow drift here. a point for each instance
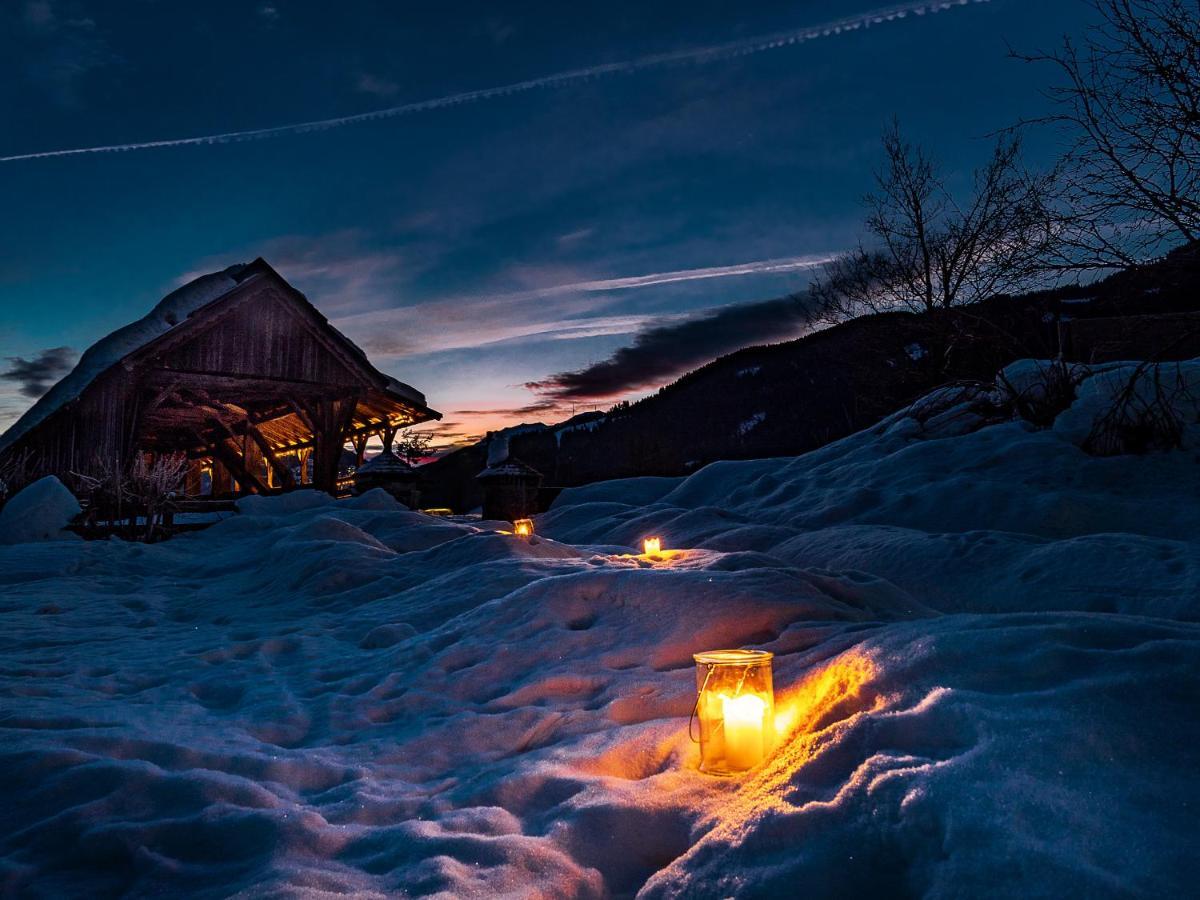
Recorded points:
(987, 662)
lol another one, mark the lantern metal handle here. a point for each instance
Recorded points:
(696, 705)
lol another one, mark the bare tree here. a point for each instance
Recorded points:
(1129, 108)
(413, 446)
(929, 252)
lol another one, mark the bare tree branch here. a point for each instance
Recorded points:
(1128, 106)
(931, 253)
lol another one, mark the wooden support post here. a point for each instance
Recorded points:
(233, 461)
(302, 457)
(360, 449)
(222, 483)
(252, 459)
(229, 451)
(331, 419)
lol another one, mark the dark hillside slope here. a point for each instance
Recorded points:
(785, 399)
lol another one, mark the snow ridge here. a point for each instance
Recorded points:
(987, 656)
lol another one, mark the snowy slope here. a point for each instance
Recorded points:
(988, 664)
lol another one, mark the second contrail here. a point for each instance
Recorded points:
(744, 47)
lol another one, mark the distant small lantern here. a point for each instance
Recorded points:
(652, 546)
(735, 705)
(523, 527)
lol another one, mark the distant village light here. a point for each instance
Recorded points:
(523, 527)
(652, 546)
(735, 705)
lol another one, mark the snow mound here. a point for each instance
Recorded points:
(987, 656)
(39, 513)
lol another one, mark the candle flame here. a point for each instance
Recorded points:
(652, 546)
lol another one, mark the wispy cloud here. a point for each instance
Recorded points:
(376, 85)
(695, 56)
(341, 272)
(477, 320)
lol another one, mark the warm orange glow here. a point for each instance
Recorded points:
(744, 719)
(816, 716)
(735, 707)
(652, 546)
(523, 527)
(834, 688)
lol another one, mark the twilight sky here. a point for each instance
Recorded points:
(515, 255)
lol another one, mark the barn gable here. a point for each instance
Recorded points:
(249, 382)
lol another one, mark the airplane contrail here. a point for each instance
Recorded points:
(700, 55)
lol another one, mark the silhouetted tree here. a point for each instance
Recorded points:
(930, 253)
(413, 446)
(1129, 107)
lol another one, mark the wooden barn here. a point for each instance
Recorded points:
(238, 371)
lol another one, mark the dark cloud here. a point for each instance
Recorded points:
(659, 354)
(36, 375)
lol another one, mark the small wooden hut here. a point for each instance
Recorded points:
(238, 371)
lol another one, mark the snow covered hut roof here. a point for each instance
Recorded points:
(385, 463)
(108, 351)
(510, 467)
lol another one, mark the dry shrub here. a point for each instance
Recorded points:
(146, 488)
(1040, 402)
(1144, 414)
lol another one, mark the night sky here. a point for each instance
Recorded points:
(517, 256)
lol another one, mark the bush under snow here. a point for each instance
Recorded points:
(988, 658)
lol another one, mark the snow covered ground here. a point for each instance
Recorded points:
(988, 675)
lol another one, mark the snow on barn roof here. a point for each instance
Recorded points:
(170, 311)
(108, 351)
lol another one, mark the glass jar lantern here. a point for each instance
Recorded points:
(523, 527)
(735, 706)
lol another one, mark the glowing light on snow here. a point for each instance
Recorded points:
(735, 704)
(837, 685)
(523, 527)
(652, 546)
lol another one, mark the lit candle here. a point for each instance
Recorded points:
(523, 527)
(744, 724)
(652, 546)
(735, 703)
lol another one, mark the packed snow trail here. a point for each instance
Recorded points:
(987, 662)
